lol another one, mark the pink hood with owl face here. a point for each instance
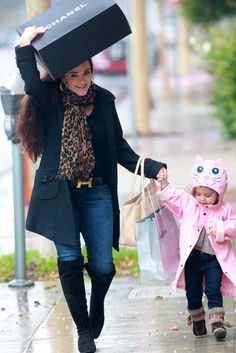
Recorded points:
(209, 173)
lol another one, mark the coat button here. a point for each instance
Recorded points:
(204, 213)
(45, 178)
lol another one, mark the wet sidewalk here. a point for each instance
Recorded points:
(140, 318)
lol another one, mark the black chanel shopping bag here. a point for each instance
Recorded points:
(76, 31)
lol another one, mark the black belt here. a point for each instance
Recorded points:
(95, 181)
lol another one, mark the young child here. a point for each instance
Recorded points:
(207, 226)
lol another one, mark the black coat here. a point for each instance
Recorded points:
(50, 211)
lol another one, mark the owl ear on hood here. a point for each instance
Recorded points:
(219, 162)
(199, 159)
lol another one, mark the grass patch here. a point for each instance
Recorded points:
(6, 268)
(125, 261)
(40, 268)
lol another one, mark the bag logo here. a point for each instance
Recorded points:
(66, 15)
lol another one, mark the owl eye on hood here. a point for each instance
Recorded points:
(199, 169)
(215, 171)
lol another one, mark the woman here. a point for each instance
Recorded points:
(73, 126)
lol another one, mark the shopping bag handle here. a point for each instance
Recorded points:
(152, 204)
(135, 175)
(142, 176)
(147, 188)
(140, 164)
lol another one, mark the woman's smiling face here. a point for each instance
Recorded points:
(78, 80)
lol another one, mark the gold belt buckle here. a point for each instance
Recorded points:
(84, 182)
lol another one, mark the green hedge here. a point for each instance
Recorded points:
(222, 60)
(205, 12)
(40, 268)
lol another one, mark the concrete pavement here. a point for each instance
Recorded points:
(140, 317)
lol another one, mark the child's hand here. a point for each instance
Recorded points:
(213, 230)
(162, 177)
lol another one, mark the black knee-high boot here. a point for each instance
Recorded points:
(72, 282)
(99, 290)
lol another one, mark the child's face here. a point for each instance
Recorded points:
(205, 195)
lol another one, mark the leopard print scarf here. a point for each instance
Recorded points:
(77, 158)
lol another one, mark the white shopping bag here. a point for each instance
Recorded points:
(158, 245)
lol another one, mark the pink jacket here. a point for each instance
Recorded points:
(193, 216)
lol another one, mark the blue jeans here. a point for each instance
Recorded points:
(198, 266)
(93, 217)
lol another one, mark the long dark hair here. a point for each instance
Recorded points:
(30, 125)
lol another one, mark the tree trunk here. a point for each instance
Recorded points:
(162, 53)
(139, 66)
(33, 8)
(36, 7)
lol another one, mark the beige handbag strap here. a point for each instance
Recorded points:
(135, 176)
(140, 163)
(142, 175)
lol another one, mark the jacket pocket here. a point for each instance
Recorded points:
(46, 186)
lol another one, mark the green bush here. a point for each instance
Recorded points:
(37, 267)
(205, 12)
(126, 261)
(6, 268)
(40, 268)
(222, 60)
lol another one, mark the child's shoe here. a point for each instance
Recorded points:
(216, 316)
(199, 328)
(218, 330)
(197, 318)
